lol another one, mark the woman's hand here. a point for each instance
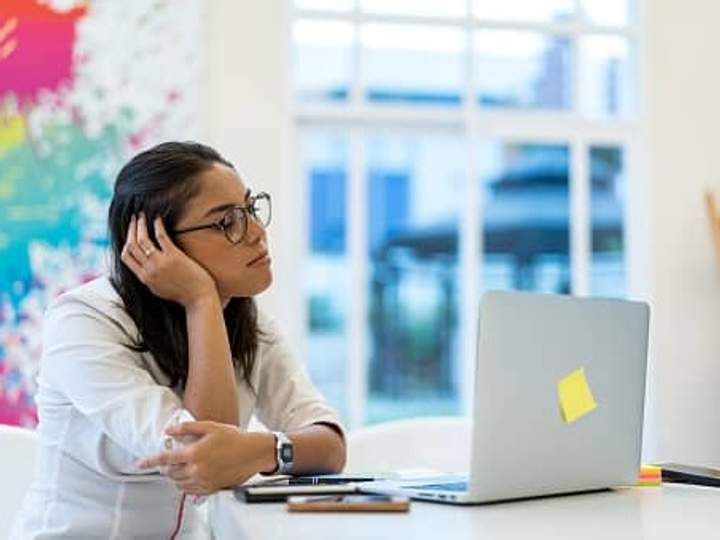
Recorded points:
(168, 272)
(223, 456)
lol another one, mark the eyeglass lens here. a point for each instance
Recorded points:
(236, 223)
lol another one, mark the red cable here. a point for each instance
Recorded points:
(179, 518)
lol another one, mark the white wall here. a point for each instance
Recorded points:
(246, 100)
(682, 149)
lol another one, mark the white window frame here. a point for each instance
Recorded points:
(475, 124)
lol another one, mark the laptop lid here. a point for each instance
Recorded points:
(559, 394)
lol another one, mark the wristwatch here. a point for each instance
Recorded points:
(284, 452)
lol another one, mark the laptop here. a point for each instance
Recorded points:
(558, 403)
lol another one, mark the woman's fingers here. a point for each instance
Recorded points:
(131, 242)
(179, 473)
(164, 268)
(139, 247)
(186, 479)
(172, 457)
(193, 487)
(133, 255)
(166, 244)
(130, 255)
(132, 227)
(146, 245)
(191, 428)
(130, 261)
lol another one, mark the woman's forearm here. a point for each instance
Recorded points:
(318, 449)
(211, 390)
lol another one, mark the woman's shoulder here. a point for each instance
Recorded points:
(270, 330)
(271, 338)
(97, 298)
(266, 324)
(98, 291)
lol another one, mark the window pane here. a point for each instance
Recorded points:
(607, 12)
(412, 64)
(325, 167)
(325, 5)
(525, 10)
(526, 216)
(517, 69)
(606, 75)
(428, 8)
(414, 190)
(607, 273)
(322, 59)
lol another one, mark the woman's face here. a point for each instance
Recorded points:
(239, 270)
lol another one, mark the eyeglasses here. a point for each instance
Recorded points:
(234, 222)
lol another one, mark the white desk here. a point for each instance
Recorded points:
(671, 512)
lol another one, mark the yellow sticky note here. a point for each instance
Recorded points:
(576, 399)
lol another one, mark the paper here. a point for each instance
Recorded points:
(576, 398)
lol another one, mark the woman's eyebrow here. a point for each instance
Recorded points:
(218, 208)
(226, 206)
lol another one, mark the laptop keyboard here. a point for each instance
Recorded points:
(450, 486)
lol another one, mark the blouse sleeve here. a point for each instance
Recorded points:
(286, 399)
(86, 360)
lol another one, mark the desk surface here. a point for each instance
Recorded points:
(670, 512)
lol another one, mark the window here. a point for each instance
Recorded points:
(448, 148)
(325, 166)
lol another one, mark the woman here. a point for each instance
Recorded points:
(172, 334)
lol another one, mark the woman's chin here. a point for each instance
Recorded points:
(266, 282)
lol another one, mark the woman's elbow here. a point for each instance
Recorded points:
(339, 455)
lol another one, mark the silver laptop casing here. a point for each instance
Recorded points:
(521, 446)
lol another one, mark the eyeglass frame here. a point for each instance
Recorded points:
(247, 209)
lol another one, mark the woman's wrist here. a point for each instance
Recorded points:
(266, 462)
(253, 453)
(200, 301)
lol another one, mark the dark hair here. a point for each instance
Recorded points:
(160, 182)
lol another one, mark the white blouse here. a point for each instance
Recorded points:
(101, 407)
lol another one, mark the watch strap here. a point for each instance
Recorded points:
(284, 453)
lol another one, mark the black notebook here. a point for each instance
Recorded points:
(689, 474)
(280, 493)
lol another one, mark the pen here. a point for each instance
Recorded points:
(319, 480)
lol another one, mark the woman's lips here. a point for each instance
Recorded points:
(260, 260)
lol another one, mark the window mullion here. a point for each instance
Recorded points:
(470, 245)
(357, 243)
(580, 223)
(553, 27)
(356, 373)
(356, 95)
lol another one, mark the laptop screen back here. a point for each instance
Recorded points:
(559, 394)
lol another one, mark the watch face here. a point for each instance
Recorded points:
(286, 451)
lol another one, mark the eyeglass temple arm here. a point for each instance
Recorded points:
(196, 228)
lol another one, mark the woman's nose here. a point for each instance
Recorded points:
(255, 231)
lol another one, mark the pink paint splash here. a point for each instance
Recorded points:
(36, 48)
(14, 413)
(16, 406)
(146, 133)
